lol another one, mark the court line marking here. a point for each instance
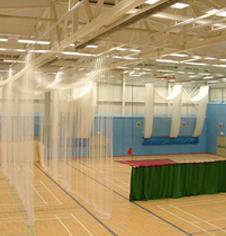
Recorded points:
(82, 224)
(40, 218)
(186, 221)
(196, 222)
(122, 181)
(126, 190)
(75, 200)
(19, 207)
(201, 232)
(143, 208)
(196, 202)
(51, 192)
(65, 227)
(40, 196)
(105, 178)
(206, 222)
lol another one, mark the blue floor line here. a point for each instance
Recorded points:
(83, 207)
(150, 212)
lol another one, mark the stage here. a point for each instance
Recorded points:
(166, 178)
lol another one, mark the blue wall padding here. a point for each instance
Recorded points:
(216, 114)
(127, 134)
(168, 140)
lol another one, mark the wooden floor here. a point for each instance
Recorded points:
(60, 214)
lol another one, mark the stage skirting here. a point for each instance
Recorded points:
(177, 180)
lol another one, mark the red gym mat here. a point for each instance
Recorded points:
(150, 162)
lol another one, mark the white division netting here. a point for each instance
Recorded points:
(201, 100)
(77, 132)
(17, 136)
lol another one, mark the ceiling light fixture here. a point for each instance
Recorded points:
(121, 49)
(179, 5)
(178, 55)
(3, 40)
(13, 61)
(33, 41)
(212, 11)
(222, 14)
(196, 63)
(167, 61)
(210, 58)
(135, 50)
(92, 46)
(151, 1)
(208, 77)
(219, 65)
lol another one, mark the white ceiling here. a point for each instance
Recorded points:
(171, 44)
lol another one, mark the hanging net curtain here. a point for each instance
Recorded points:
(17, 144)
(77, 131)
(201, 99)
(175, 97)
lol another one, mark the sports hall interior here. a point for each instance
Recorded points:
(112, 117)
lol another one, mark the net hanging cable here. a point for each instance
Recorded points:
(78, 140)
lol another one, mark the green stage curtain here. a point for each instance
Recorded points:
(177, 180)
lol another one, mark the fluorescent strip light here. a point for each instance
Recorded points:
(179, 5)
(152, 1)
(130, 58)
(33, 41)
(178, 55)
(164, 70)
(208, 77)
(135, 50)
(13, 61)
(122, 67)
(72, 44)
(135, 75)
(222, 14)
(92, 46)
(196, 63)
(223, 59)
(78, 54)
(167, 61)
(3, 40)
(146, 69)
(220, 65)
(214, 82)
(224, 79)
(12, 50)
(117, 57)
(121, 49)
(212, 11)
(193, 76)
(210, 58)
